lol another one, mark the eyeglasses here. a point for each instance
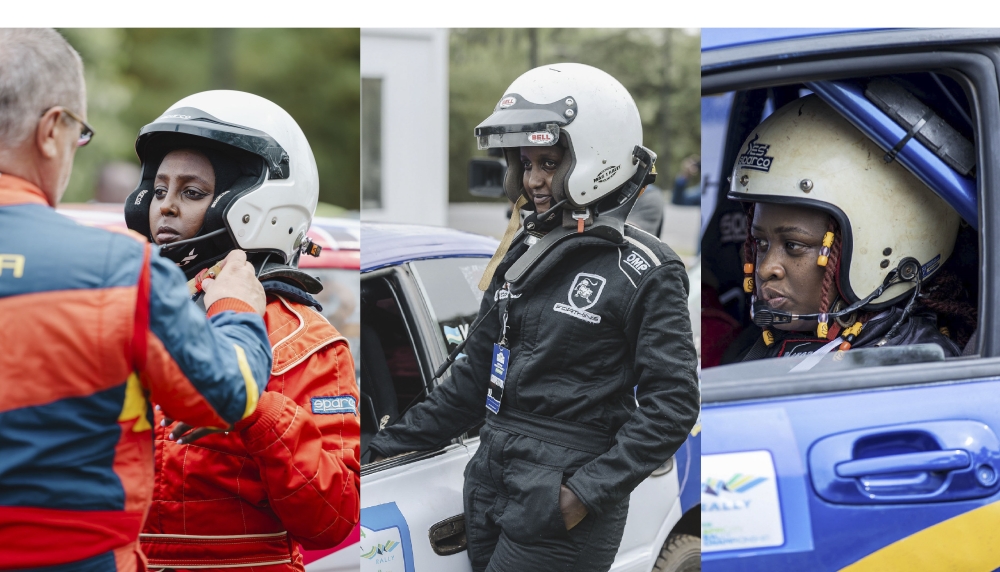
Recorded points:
(86, 134)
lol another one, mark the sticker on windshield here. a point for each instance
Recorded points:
(739, 502)
(385, 540)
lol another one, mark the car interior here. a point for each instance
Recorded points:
(392, 379)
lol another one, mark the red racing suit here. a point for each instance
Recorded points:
(288, 475)
(92, 325)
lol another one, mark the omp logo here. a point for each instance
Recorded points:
(637, 262)
(607, 174)
(332, 405)
(12, 262)
(219, 198)
(755, 156)
(507, 102)
(738, 483)
(541, 137)
(138, 198)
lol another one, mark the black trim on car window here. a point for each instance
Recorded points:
(976, 70)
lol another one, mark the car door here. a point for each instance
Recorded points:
(412, 516)
(883, 463)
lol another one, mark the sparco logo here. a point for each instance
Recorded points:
(756, 156)
(607, 174)
(138, 198)
(219, 198)
(540, 137)
(507, 102)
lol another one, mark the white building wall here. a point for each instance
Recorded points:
(413, 66)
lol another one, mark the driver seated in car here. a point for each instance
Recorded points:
(844, 249)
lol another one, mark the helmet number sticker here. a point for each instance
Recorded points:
(507, 102)
(541, 137)
(756, 156)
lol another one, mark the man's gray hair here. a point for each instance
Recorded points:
(38, 70)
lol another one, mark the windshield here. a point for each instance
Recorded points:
(450, 287)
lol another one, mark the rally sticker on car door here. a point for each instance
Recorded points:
(739, 502)
(385, 540)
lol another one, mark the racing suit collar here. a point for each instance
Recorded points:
(17, 191)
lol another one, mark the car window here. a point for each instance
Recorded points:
(725, 314)
(451, 290)
(340, 299)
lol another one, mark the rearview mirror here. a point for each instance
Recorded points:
(486, 177)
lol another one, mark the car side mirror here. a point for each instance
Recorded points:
(486, 177)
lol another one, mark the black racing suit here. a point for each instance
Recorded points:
(593, 328)
(918, 328)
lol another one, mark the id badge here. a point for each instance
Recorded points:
(498, 374)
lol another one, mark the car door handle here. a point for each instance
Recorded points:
(448, 536)
(947, 460)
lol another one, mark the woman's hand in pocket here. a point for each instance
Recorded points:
(572, 509)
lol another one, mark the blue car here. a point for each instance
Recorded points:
(889, 459)
(419, 296)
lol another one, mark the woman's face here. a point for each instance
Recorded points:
(540, 163)
(182, 191)
(788, 241)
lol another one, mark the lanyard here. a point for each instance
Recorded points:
(504, 312)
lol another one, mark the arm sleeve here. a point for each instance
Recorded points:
(203, 371)
(658, 327)
(308, 454)
(456, 405)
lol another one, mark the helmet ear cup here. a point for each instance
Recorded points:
(561, 176)
(513, 179)
(137, 208)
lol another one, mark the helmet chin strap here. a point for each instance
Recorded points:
(189, 241)
(908, 270)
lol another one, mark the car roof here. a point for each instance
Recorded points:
(388, 244)
(339, 237)
(724, 48)
(716, 38)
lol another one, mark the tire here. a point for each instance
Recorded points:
(680, 553)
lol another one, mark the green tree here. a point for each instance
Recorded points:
(133, 75)
(659, 67)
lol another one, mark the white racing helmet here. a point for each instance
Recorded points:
(271, 186)
(590, 114)
(807, 154)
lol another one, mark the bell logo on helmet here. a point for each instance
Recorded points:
(175, 117)
(541, 137)
(607, 174)
(507, 102)
(756, 156)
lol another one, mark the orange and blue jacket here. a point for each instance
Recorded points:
(288, 475)
(94, 325)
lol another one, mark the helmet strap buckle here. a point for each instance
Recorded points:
(581, 216)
